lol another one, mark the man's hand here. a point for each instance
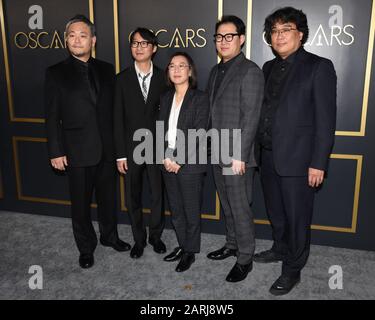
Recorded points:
(171, 166)
(238, 167)
(59, 163)
(122, 166)
(175, 167)
(316, 177)
(167, 164)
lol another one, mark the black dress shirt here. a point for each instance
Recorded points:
(88, 77)
(274, 88)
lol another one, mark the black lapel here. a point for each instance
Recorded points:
(155, 79)
(167, 109)
(212, 88)
(185, 105)
(267, 73)
(135, 81)
(268, 69)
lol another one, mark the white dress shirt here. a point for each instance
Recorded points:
(140, 76)
(172, 124)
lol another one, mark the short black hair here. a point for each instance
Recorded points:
(193, 78)
(84, 19)
(285, 15)
(146, 34)
(240, 25)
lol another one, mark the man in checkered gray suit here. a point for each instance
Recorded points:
(235, 88)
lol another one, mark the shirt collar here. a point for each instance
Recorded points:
(226, 65)
(80, 62)
(140, 73)
(290, 59)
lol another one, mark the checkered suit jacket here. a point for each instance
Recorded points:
(237, 105)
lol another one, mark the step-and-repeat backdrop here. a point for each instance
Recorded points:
(32, 38)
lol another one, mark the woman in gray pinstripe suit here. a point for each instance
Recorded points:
(183, 108)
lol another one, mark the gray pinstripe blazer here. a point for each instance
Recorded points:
(237, 105)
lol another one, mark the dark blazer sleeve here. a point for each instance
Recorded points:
(119, 121)
(252, 90)
(324, 91)
(52, 104)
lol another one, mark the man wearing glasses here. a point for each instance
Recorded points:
(235, 89)
(295, 138)
(138, 89)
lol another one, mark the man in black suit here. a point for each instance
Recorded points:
(137, 100)
(295, 138)
(79, 117)
(235, 88)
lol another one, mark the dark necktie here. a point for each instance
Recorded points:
(92, 82)
(144, 86)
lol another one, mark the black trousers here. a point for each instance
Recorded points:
(185, 199)
(82, 183)
(289, 204)
(133, 196)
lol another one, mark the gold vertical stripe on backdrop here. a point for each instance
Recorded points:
(6, 62)
(92, 19)
(249, 26)
(366, 89)
(219, 15)
(116, 35)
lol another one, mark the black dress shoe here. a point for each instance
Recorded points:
(119, 245)
(221, 254)
(284, 284)
(159, 246)
(174, 255)
(86, 260)
(239, 272)
(186, 261)
(136, 252)
(268, 256)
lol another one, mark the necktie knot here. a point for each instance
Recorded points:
(144, 86)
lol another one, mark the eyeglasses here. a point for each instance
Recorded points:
(135, 44)
(283, 32)
(173, 67)
(228, 37)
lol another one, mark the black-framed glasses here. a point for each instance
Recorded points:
(283, 31)
(218, 37)
(143, 44)
(173, 67)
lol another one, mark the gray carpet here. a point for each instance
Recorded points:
(27, 240)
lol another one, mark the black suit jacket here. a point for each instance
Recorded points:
(131, 112)
(79, 125)
(304, 125)
(193, 115)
